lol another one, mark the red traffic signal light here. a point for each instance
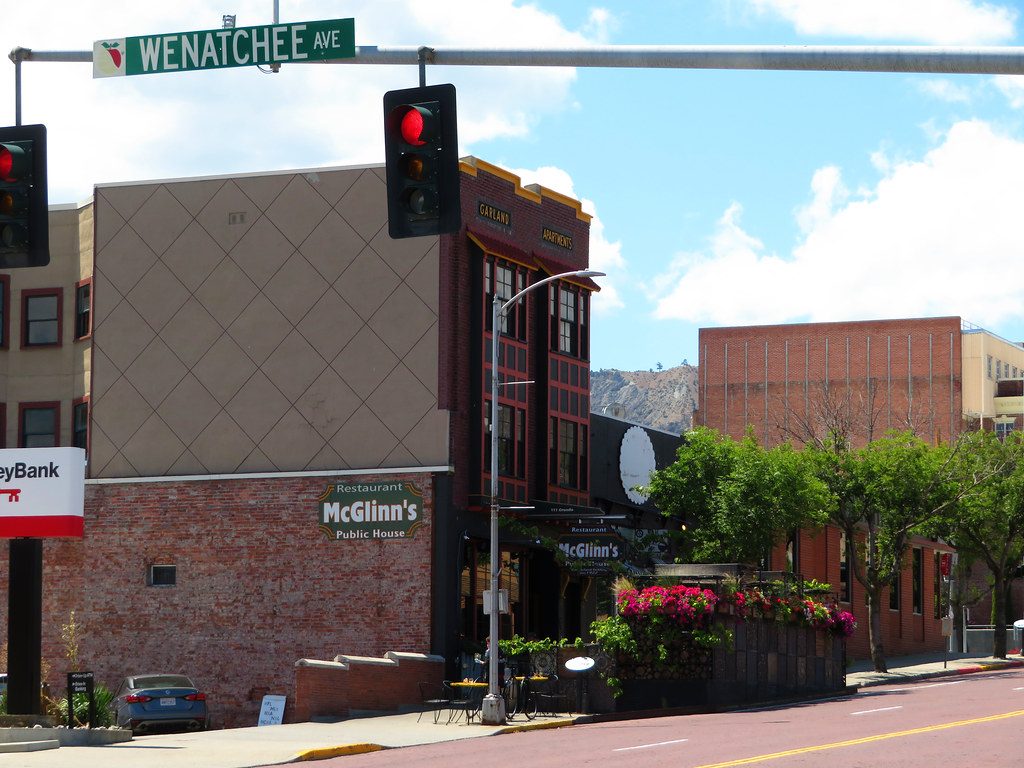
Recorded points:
(421, 159)
(24, 219)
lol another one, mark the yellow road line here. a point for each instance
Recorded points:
(864, 740)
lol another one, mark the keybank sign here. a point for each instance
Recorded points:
(42, 492)
(385, 510)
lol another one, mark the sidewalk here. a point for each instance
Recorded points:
(289, 743)
(862, 674)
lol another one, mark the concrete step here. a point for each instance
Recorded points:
(28, 746)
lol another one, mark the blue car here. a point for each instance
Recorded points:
(147, 703)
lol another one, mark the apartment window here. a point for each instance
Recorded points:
(793, 552)
(506, 465)
(161, 575)
(568, 329)
(511, 441)
(80, 424)
(844, 569)
(989, 365)
(38, 425)
(83, 309)
(41, 318)
(937, 586)
(917, 587)
(894, 593)
(567, 456)
(1003, 428)
(505, 280)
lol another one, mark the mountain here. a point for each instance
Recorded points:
(662, 400)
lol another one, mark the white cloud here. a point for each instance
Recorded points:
(931, 228)
(605, 256)
(828, 192)
(240, 120)
(1012, 87)
(939, 22)
(944, 90)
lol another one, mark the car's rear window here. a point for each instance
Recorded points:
(163, 681)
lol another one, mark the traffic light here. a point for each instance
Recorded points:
(24, 221)
(422, 161)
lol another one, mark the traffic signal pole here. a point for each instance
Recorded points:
(989, 60)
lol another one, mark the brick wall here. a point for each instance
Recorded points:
(258, 587)
(332, 689)
(463, 315)
(795, 381)
(905, 631)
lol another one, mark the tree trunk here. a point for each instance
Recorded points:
(875, 629)
(998, 615)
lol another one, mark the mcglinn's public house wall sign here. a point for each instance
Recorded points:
(594, 547)
(384, 510)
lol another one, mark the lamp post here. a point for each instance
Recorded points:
(493, 709)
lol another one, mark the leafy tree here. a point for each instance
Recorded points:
(737, 499)
(988, 524)
(883, 494)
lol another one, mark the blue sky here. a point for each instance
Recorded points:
(720, 197)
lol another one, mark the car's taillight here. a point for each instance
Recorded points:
(196, 697)
(136, 698)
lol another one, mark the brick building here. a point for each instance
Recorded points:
(248, 361)
(802, 382)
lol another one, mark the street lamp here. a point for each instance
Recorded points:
(493, 709)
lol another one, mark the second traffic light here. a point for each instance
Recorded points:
(422, 161)
(24, 218)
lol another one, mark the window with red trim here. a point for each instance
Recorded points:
(83, 309)
(38, 425)
(40, 317)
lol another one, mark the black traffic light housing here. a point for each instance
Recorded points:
(421, 156)
(24, 218)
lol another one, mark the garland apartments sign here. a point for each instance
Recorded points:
(363, 511)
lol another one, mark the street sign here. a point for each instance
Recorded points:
(220, 48)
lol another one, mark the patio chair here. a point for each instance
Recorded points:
(551, 696)
(434, 698)
(459, 703)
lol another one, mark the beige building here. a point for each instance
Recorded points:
(993, 379)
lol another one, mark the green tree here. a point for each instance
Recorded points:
(883, 494)
(987, 525)
(738, 500)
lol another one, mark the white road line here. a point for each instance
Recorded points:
(871, 711)
(922, 687)
(645, 746)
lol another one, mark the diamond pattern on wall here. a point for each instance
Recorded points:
(262, 324)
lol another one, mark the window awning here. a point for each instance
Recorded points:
(555, 267)
(495, 246)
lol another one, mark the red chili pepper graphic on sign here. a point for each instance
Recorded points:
(115, 54)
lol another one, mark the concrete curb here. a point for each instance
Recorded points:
(324, 752)
(358, 749)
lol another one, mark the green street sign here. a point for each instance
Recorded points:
(220, 48)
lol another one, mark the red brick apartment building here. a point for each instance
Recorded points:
(933, 376)
(252, 364)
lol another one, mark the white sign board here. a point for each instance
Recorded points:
(272, 710)
(42, 492)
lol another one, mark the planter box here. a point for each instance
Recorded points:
(768, 660)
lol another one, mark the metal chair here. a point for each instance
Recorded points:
(551, 698)
(459, 703)
(434, 698)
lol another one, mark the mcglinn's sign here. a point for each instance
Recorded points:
(383, 510)
(592, 547)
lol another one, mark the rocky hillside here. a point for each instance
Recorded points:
(663, 400)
